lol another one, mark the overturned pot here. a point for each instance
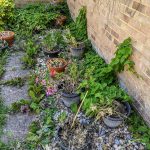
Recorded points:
(77, 51)
(8, 36)
(115, 121)
(69, 99)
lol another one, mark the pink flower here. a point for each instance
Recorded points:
(43, 82)
(50, 91)
(52, 73)
(36, 80)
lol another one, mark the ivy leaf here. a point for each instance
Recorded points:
(34, 106)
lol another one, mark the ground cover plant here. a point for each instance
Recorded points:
(31, 49)
(57, 126)
(36, 17)
(6, 12)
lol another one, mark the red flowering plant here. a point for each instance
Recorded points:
(52, 73)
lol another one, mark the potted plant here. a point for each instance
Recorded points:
(121, 110)
(57, 64)
(76, 48)
(53, 43)
(7, 36)
(3, 45)
(70, 83)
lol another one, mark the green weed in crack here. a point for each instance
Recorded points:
(3, 58)
(14, 82)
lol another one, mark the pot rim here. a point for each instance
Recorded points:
(10, 36)
(78, 48)
(51, 52)
(72, 95)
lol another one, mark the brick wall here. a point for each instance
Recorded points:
(109, 23)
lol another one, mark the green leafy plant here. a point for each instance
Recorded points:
(53, 40)
(3, 58)
(36, 93)
(122, 59)
(101, 82)
(29, 59)
(16, 106)
(35, 18)
(140, 130)
(6, 12)
(41, 132)
(15, 82)
(62, 117)
(79, 27)
(71, 79)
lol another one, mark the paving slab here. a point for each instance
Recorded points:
(16, 127)
(12, 94)
(14, 67)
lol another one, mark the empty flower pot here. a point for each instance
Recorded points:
(8, 36)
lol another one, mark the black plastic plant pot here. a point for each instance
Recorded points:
(52, 53)
(69, 99)
(115, 121)
(3, 45)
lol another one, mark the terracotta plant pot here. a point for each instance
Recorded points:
(115, 121)
(8, 36)
(57, 69)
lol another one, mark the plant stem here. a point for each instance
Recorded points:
(79, 109)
